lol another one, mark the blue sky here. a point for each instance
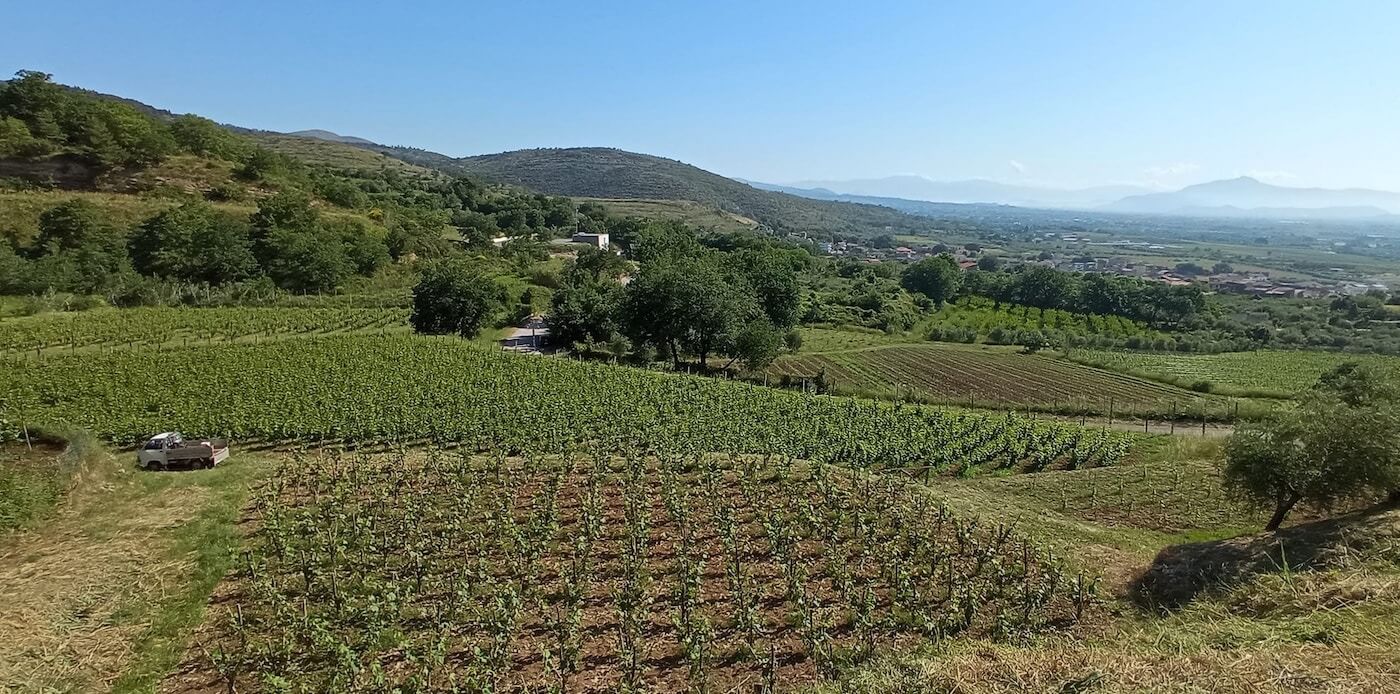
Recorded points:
(1059, 93)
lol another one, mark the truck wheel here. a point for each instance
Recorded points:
(208, 463)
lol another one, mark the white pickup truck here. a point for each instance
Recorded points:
(162, 451)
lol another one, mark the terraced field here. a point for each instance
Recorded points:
(980, 375)
(1276, 373)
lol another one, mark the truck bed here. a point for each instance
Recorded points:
(216, 449)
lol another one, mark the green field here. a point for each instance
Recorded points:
(1267, 373)
(983, 376)
(167, 326)
(405, 387)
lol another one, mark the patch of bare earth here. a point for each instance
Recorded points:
(74, 591)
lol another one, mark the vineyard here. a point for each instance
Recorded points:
(401, 387)
(1275, 373)
(984, 320)
(610, 570)
(953, 374)
(147, 326)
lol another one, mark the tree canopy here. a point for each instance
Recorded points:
(455, 298)
(1343, 440)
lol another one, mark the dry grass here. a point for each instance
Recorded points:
(66, 588)
(1063, 666)
(91, 597)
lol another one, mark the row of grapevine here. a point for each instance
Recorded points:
(402, 387)
(611, 570)
(139, 326)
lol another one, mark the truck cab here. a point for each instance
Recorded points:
(169, 448)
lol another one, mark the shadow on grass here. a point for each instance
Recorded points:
(1181, 573)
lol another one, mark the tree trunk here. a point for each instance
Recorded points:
(1280, 512)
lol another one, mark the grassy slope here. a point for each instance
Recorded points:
(102, 594)
(1326, 626)
(692, 213)
(336, 154)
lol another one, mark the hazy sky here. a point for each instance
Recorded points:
(1061, 93)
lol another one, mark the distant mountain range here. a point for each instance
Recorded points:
(973, 191)
(1249, 197)
(612, 173)
(851, 206)
(1237, 197)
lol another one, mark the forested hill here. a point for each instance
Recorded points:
(599, 172)
(590, 172)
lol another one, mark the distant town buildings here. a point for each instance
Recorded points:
(1244, 283)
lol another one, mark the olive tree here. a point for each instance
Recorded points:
(1323, 452)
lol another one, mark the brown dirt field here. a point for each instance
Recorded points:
(664, 666)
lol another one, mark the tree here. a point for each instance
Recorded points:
(989, 263)
(13, 271)
(585, 311)
(17, 141)
(938, 278)
(77, 251)
(364, 245)
(194, 243)
(1043, 287)
(657, 240)
(307, 261)
(35, 100)
(1324, 451)
(598, 264)
(205, 137)
(757, 344)
(1359, 385)
(687, 303)
(455, 298)
(1190, 269)
(773, 282)
(287, 211)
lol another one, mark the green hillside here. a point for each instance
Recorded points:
(127, 204)
(598, 172)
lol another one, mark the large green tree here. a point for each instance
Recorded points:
(76, 250)
(193, 243)
(455, 298)
(688, 304)
(937, 278)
